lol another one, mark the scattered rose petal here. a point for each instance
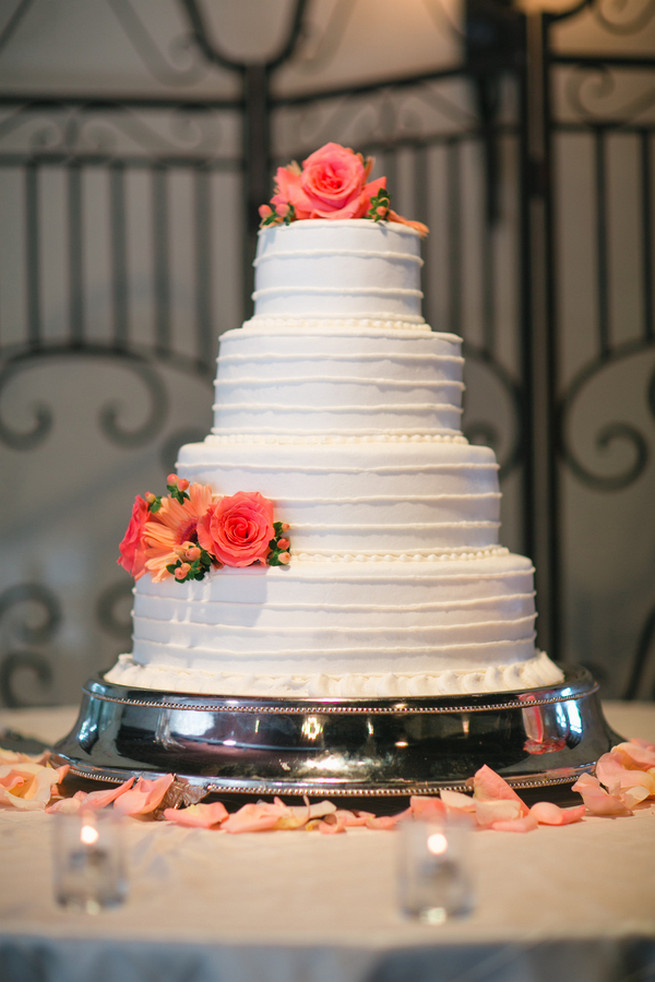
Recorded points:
(144, 797)
(635, 755)
(253, 817)
(631, 797)
(387, 821)
(8, 757)
(426, 807)
(596, 798)
(615, 776)
(199, 816)
(353, 818)
(548, 813)
(295, 816)
(457, 801)
(28, 786)
(333, 824)
(524, 823)
(490, 786)
(93, 800)
(487, 812)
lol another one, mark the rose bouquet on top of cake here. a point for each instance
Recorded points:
(191, 530)
(332, 183)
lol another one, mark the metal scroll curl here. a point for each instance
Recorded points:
(619, 17)
(611, 435)
(113, 610)
(593, 93)
(110, 415)
(18, 605)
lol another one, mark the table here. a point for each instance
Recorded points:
(572, 903)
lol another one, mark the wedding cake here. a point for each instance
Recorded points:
(335, 534)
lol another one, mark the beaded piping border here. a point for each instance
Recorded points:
(319, 705)
(309, 790)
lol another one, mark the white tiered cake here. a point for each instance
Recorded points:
(338, 403)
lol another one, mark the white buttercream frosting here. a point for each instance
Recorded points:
(337, 402)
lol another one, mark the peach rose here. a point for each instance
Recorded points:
(237, 529)
(332, 184)
(133, 548)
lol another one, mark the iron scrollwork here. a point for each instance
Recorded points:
(17, 607)
(609, 435)
(109, 415)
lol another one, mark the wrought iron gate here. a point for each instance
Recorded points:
(131, 225)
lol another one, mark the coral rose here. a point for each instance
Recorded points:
(238, 529)
(133, 548)
(332, 184)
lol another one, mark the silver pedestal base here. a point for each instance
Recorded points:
(356, 748)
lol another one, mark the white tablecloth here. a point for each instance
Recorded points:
(573, 903)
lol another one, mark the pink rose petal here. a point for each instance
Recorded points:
(93, 800)
(525, 823)
(11, 780)
(199, 816)
(631, 797)
(253, 817)
(28, 786)
(457, 801)
(353, 818)
(426, 807)
(8, 757)
(387, 821)
(615, 776)
(490, 786)
(144, 797)
(334, 824)
(635, 754)
(596, 799)
(548, 813)
(497, 810)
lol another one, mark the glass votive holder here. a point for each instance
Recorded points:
(88, 860)
(434, 880)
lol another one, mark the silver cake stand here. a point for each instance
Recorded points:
(539, 740)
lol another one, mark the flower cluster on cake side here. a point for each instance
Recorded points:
(332, 183)
(190, 531)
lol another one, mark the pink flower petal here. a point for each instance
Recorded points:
(635, 754)
(11, 780)
(490, 786)
(144, 797)
(353, 818)
(525, 823)
(387, 821)
(631, 797)
(31, 785)
(426, 807)
(615, 776)
(596, 799)
(333, 824)
(457, 801)
(548, 813)
(9, 757)
(93, 800)
(497, 810)
(199, 816)
(253, 817)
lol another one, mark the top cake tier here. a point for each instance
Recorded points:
(338, 269)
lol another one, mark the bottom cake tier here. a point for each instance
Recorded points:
(539, 739)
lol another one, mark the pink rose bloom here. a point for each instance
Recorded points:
(133, 548)
(238, 529)
(332, 184)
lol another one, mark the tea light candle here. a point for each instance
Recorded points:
(88, 861)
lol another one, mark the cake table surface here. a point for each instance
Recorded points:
(576, 902)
